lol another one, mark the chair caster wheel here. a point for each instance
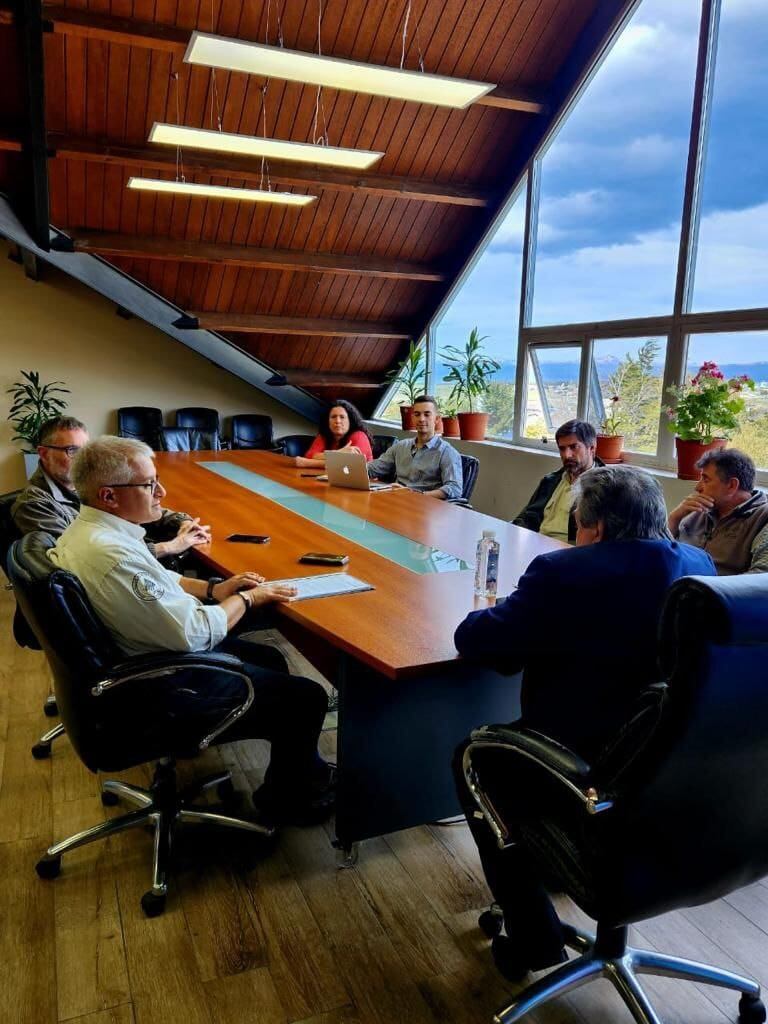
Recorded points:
(109, 799)
(751, 1010)
(48, 868)
(491, 922)
(50, 709)
(41, 751)
(152, 904)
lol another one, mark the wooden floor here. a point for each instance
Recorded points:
(287, 938)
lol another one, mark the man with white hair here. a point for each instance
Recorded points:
(147, 609)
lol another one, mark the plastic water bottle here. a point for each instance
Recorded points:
(487, 565)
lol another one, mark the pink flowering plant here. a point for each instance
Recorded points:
(612, 421)
(708, 406)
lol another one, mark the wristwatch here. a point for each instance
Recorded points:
(210, 599)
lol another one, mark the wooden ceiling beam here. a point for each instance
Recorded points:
(313, 379)
(256, 323)
(86, 24)
(183, 251)
(305, 176)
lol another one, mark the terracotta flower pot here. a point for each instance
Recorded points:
(609, 447)
(473, 425)
(689, 453)
(406, 417)
(451, 426)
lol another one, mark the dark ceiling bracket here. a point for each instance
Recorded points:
(187, 323)
(29, 20)
(62, 243)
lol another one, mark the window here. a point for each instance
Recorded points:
(633, 370)
(737, 354)
(552, 389)
(732, 261)
(612, 180)
(489, 299)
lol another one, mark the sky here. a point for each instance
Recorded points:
(612, 185)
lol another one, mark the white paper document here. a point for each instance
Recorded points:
(326, 585)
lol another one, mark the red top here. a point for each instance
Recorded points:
(358, 439)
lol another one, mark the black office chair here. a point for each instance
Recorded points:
(183, 439)
(673, 814)
(22, 634)
(252, 431)
(141, 422)
(294, 444)
(198, 418)
(110, 709)
(470, 467)
(381, 444)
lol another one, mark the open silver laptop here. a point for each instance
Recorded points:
(348, 469)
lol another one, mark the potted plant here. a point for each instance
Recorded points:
(450, 420)
(705, 409)
(609, 440)
(410, 377)
(32, 404)
(469, 371)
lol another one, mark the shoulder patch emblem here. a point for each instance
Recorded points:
(146, 588)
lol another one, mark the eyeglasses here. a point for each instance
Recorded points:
(154, 485)
(68, 449)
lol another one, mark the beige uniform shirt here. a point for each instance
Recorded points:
(557, 510)
(139, 601)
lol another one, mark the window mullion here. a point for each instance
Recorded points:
(526, 293)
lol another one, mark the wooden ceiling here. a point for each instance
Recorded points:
(331, 292)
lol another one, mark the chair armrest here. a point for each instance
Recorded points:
(572, 772)
(159, 666)
(461, 502)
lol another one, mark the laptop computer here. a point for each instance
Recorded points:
(349, 469)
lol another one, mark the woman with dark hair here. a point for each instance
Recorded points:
(343, 428)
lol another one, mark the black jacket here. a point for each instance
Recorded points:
(533, 513)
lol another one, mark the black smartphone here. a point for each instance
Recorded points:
(248, 538)
(316, 558)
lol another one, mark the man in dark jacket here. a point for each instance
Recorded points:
(550, 510)
(49, 501)
(726, 515)
(579, 682)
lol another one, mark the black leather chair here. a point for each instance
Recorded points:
(22, 634)
(141, 422)
(184, 439)
(381, 444)
(294, 444)
(109, 706)
(252, 431)
(673, 814)
(470, 467)
(198, 418)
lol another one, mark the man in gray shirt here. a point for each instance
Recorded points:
(428, 463)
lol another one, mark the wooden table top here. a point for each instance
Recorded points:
(406, 624)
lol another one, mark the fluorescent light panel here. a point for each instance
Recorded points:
(273, 149)
(334, 72)
(191, 188)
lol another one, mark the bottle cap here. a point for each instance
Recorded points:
(490, 533)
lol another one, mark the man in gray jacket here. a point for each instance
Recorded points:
(725, 515)
(49, 501)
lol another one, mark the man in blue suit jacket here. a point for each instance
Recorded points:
(582, 626)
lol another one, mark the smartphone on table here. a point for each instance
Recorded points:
(323, 558)
(248, 538)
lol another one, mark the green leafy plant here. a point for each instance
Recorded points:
(410, 375)
(708, 406)
(469, 370)
(33, 403)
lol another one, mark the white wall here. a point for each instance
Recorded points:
(67, 332)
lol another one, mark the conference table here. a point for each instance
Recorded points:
(406, 699)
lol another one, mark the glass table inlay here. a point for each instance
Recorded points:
(410, 554)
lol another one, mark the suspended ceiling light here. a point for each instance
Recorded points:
(191, 188)
(334, 72)
(273, 149)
